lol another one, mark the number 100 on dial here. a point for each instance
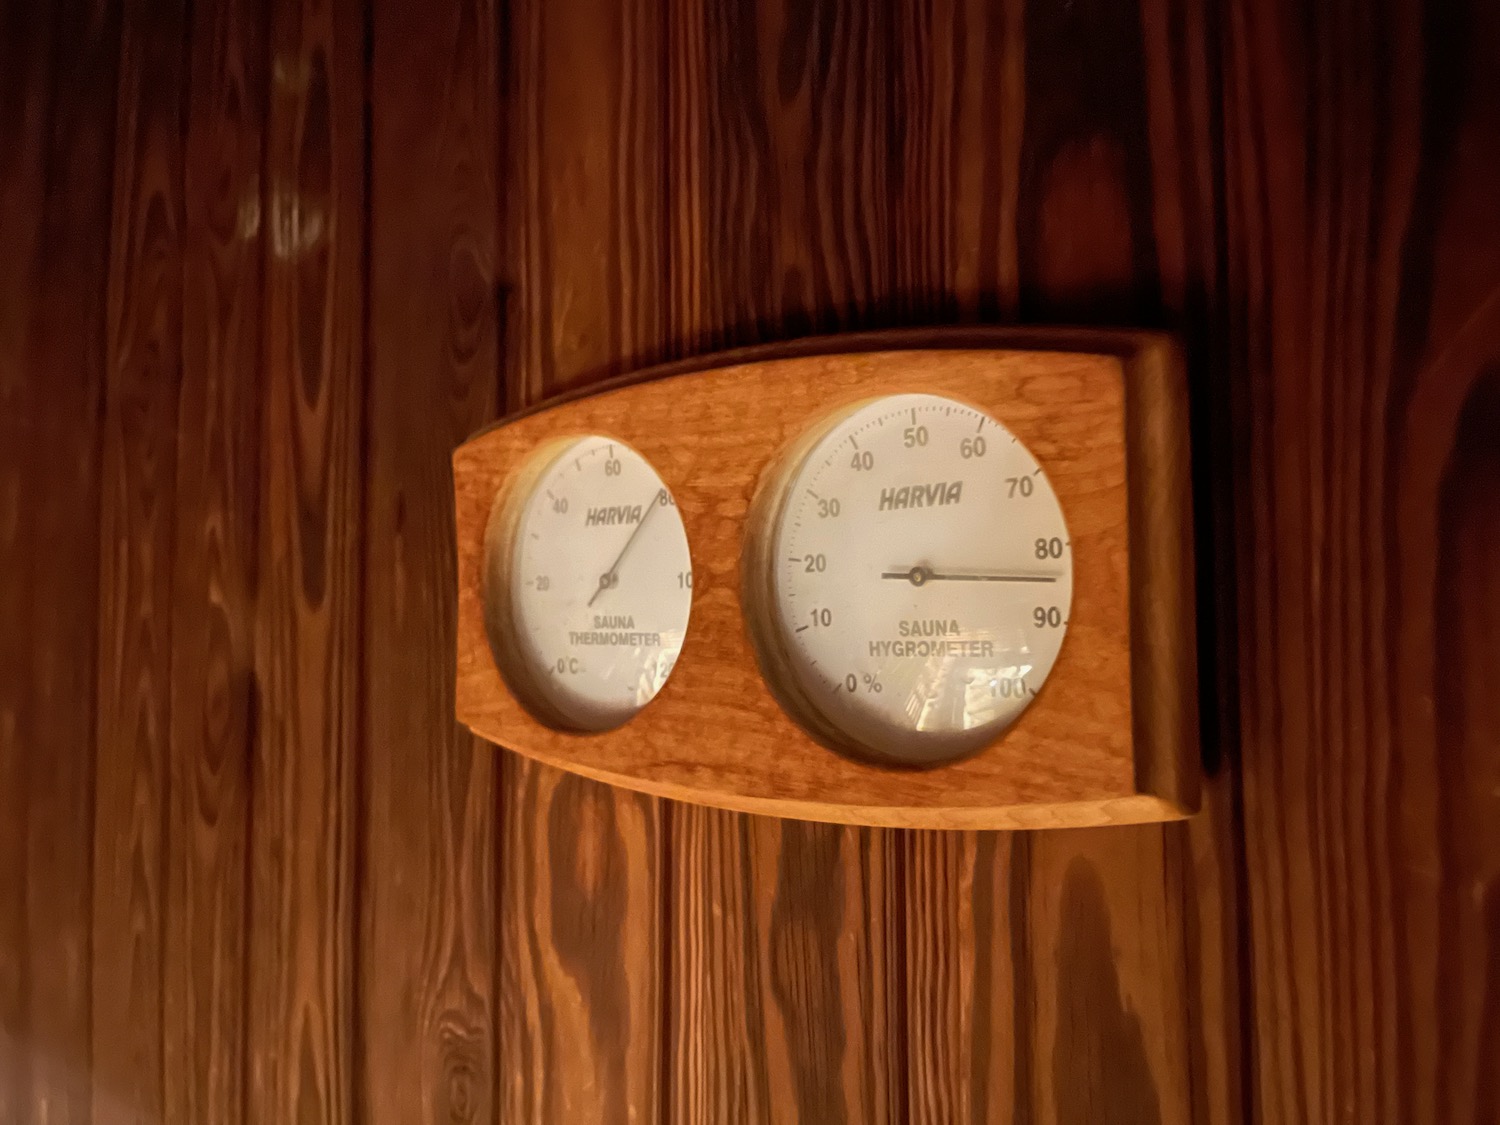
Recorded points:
(911, 588)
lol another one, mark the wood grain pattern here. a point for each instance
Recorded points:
(135, 581)
(808, 1027)
(427, 956)
(1359, 159)
(966, 953)
(1303, 194)
(581, 948)
(308, 616)
(992, 921)
(215, 557)
(1065, 764)
(588, 197)
(580, 932)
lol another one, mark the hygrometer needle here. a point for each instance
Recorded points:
(920, 575)
(993, 578)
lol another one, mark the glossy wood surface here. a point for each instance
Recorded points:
(1085, 753)
(428, 791)
(263, 264)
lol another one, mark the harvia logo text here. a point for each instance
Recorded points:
(613, 515)
(921, 495)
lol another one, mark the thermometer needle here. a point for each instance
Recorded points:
(921, 575)
(607, 578)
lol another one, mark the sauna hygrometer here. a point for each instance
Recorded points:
(911, 572)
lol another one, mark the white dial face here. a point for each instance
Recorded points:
(601, 583)
(922, 577)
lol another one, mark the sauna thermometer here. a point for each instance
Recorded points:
(589, 576)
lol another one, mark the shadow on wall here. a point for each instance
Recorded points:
(1098, 1051)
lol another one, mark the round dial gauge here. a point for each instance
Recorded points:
(915, 578)
(588, 584)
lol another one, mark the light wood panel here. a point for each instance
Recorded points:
(427, 965)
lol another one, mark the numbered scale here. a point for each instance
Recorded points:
(591, 570)
(916, 580)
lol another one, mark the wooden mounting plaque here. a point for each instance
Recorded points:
(1112, 738)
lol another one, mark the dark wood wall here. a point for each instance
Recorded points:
(264, 262)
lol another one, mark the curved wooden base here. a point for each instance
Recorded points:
(1112, 737)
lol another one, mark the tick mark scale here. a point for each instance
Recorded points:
(948, 637)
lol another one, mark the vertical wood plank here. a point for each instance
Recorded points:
(780, 1003)
(784, 1000)
(427, 957)
(589, 195)
(1361, 155)
(1467, 608)
(138, 496)
(581, 954)
(960, 67)
(25, 99)
(581, 946)
(780, 121)
(58, 109)
(213, 701)
(967, 950)
(309, 609)
(1110, 1025)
